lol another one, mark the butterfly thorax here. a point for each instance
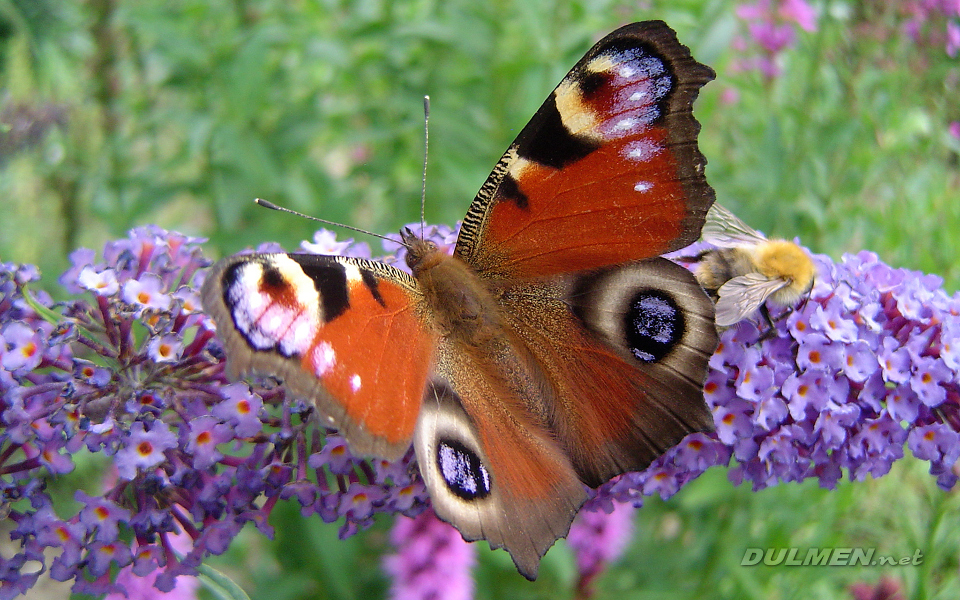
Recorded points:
(460, 305)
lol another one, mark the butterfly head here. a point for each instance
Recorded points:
(421, 254)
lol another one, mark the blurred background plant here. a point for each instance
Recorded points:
(834, 121)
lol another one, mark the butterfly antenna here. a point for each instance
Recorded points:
(272, 206)
(426, 151)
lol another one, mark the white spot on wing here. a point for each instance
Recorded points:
(642, 150)
(626, 124)
(642, 186)
(355, 383)
(633, 123)
(300, 334)
(273, 322)
(323, 358)
(245, 289)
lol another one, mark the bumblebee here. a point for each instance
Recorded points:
(747, 269)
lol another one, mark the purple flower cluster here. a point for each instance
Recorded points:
(133, 377)
(870, 362)
(431, 560)
(598, 538)
(772, 28)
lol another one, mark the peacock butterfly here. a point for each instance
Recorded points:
(555, 349)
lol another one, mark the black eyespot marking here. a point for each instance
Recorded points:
(462, 470)
(590, 82)
(272, 280)
(330, 279)
(509, 190)
(653, 325)
(370, 280)
(548, 142)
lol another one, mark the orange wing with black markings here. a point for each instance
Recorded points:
(343, 331)
(607, 170)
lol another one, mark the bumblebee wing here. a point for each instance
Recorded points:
(725, 230)
(742, 296)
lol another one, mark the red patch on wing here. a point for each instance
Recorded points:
(381, 358)
(590, 213)
(615, 416)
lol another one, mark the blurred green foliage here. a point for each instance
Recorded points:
(118, 113)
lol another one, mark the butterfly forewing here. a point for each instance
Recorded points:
(342, 331)
(607, 170)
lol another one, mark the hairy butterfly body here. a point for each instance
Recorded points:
(555, 349)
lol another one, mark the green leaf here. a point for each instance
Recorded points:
(221, 586)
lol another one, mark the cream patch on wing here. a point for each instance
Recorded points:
(577, 117)
(517, 167)
(623, 104)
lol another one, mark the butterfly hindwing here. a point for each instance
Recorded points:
(591, 375)
(344, 332)
(608, 169)
(493, 471)
(624, 351)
